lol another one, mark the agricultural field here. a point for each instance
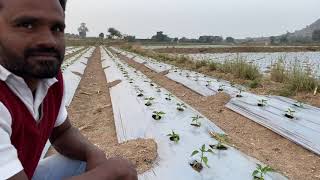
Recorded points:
(178, 123)
(264, 61)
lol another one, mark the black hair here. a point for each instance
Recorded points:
(63, 4)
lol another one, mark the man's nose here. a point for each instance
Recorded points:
(46, 38)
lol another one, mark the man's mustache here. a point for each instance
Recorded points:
(43, 51)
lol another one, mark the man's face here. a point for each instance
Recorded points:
(32, 37)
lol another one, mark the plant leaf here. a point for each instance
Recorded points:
(203, 148)
(194, 152)
(205, 160)
(255, 172)
(210, 150)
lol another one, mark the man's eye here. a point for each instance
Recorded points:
(26, 25)
(57, 29)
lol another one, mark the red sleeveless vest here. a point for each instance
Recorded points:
(28, 136)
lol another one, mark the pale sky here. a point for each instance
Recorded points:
(192, 18)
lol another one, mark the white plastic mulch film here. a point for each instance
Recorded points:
(303, 129)
(200, 83)
(75, 64)
(133, 119)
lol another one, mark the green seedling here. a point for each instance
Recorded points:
(221, 88)
(203, 159)
(208, 83)
(262, 102)
(195, 121)
(181, 106)
(169, 96)
(130, 81)
(174, 137)
(239, 95)
(158, 89)
(140, 93)
(298, 104)
(260, 172)
(196, 78)
(187, 75)
(149, 101)
(222, 139)
(290, 113)
(157, 115)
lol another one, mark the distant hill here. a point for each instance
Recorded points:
(307, 31)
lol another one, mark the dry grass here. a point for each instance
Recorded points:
(240, 68)
(295, 78)
(278, 71)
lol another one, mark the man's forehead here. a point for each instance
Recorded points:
(25, 5)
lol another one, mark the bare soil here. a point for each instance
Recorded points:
(249, 137)
(91, 112)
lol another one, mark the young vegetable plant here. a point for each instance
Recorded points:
(131, 81)
(158, 89)
(203, 159)
(298, 104)
(289, 113)
(208, 83)
(181, 106)
(140, 93)
(187, 75)
(196, 78)
(221, 138)
(221, 88)
(157, 115)
(239, 95)
(169, 96)
(174, 137)
(260, 172)
(149, 101)
(195, 121)
(262, 102)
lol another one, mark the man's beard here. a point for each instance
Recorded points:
(26, 68)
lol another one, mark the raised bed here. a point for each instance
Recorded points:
(133, 119)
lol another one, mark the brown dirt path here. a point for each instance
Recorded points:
(249, 137)
(91, 112)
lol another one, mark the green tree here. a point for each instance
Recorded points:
(83, 30)
(160, 37)
(230, 39)
(101, 35)
(113, 32)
